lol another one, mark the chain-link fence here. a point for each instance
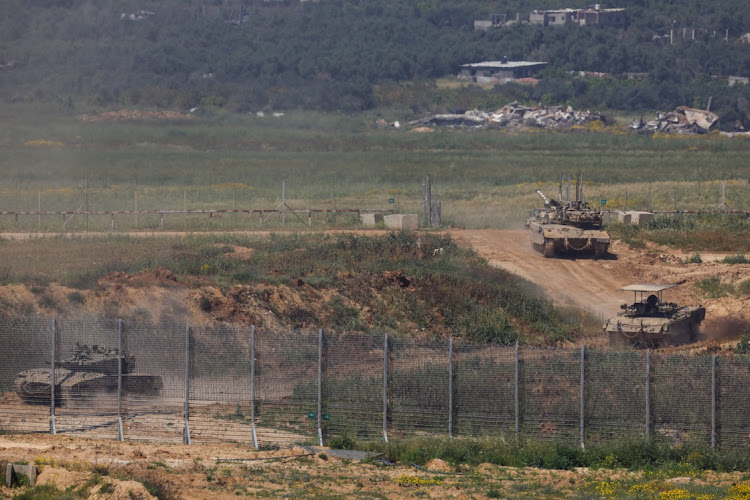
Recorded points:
(176, 382)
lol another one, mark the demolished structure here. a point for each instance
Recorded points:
(514, 116)
(682, 120)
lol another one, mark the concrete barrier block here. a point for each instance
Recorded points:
(624, 217)
(401, 221)
(370, 220)
(637, 217)
(11, 470)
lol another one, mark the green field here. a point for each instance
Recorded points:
(485, 178)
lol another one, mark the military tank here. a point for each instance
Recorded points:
(569, 228)
(90, 372)
(651, 323)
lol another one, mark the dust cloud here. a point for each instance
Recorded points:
(721, 329)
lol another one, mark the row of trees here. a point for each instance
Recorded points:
(332, 54)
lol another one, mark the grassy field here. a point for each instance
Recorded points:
(486, 178)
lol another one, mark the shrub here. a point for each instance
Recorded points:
(736, 259)
(695, 259)
(713, 288)
(342, 443)
(743, 288)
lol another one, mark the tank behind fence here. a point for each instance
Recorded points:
(231, 383)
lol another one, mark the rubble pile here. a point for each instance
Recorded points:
(514, 115)
(682, 120)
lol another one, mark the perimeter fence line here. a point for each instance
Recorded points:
(177, 382)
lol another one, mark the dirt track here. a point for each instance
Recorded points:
(584, 282)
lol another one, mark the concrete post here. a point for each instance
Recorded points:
(186, 437)
(648, 393)
(320, 386)
(52, 428)
(385, 388)
(120, 359)
(518, 394)
(450, 387)
(583, 358)
(252, 387)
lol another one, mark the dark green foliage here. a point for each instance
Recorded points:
(631, 454)
(736, 259)
(342, 443)
(713, 288)
(44, 492)
(335, 55)
(705, 232)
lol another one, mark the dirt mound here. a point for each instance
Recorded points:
(134, 114)
(157, 276)
(438, 465)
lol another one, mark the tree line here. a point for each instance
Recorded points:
(350, 55)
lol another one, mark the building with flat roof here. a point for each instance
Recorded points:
(489, 71)
(593, 15)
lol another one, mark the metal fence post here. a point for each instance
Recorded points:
(252, 387)
(52, 428)
(120, 359)
(648, 393)
(320, 386)
(385, 388)
(583, 357)
(713, 401)
(450, 387)
(518, 395)
(186, 437)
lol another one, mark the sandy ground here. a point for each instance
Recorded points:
(131, 470)
(114, 470)
(594, 284)
(583, 282)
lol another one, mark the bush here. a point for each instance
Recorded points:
(342, 443)
(713, 288)
(695, 259)
(736, 259)
(637, 454)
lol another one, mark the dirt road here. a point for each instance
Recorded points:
(583, 282)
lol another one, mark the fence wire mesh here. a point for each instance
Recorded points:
(286, 386)
(733, 403)
(615, 394)
(484, 390)
(353, 386)
(26, 344)
(681, 398)
(153, 400)
(550, 390)
(178, 383)
(418, 387)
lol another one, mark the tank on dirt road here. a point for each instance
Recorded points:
(650, 322)
(570, 228)
(89, 373)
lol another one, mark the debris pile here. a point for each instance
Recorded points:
(514, 115)
(682, 120)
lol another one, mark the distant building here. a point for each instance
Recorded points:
(499, 71)
(734, 80)
(496, 21)
(588, 16)
(552, 17)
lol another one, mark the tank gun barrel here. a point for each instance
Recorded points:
(551, 202)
